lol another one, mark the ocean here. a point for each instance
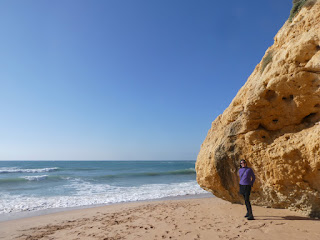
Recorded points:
(27, 186)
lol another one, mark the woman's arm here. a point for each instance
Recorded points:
(253, 177)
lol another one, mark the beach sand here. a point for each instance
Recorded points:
(205, 218)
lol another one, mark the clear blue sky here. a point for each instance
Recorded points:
(124, 79)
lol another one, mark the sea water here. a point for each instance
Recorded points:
(40, 185)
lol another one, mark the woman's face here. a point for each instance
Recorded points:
(243, 163)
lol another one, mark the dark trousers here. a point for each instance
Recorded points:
(245, 190)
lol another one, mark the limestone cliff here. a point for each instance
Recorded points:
(273, 123)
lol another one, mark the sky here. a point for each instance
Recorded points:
(124, 79)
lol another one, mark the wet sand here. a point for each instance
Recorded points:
(205, 218)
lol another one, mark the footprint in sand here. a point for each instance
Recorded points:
(258, 226)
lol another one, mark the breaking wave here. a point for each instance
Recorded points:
(31, 170)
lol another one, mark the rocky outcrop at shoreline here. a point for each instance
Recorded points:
(273, 123)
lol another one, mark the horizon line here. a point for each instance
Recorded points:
(99, 160)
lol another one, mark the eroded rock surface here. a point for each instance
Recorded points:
(273, 122)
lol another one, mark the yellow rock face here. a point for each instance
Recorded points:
(273, 123)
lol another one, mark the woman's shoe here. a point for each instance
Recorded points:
(250, 217)
(247, 215)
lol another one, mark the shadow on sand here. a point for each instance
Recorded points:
(297, 218)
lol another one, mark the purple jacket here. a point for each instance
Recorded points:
(247, 176)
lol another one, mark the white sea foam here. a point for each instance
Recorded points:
(91, 194)
(31, 170)
(35, 178)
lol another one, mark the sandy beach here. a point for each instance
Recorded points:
(206, 218)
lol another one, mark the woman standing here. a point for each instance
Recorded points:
(247, 178)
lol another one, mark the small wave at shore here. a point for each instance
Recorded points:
(30, 178)
(36, 178)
